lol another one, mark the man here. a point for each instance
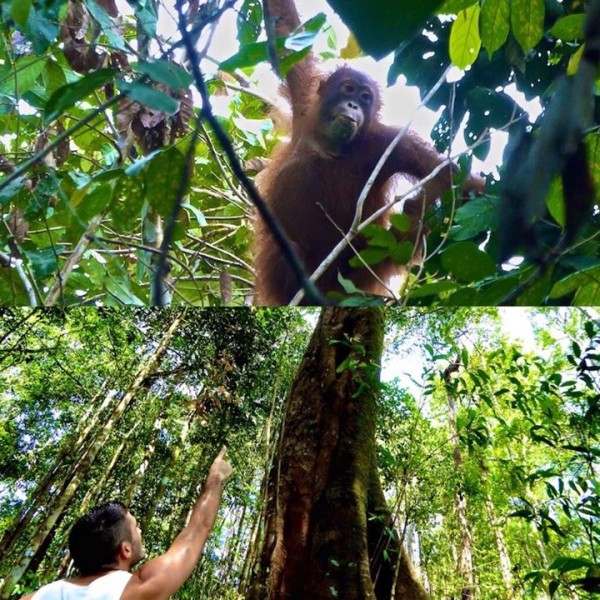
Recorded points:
(106, 543)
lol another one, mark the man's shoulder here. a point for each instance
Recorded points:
(138, 588)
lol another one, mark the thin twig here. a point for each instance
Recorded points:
(34, 160)
(157, 296)
(356, 252)
(17, 264)
(56, 290)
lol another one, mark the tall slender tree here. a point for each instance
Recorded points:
(70, 483)
(465, 547)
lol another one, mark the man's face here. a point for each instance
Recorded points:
(137, 550)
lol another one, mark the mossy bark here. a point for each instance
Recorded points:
(322, 484)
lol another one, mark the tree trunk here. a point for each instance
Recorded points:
(138, 476)
(465, 559)
(146, 517)
(505, 564)
(326, 519)
(257, 526)
(92, 497)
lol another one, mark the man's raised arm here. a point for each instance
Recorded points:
(162, 576)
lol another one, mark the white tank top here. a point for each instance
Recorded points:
(107, 587)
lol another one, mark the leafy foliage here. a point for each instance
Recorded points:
(527, 427)
(61, 374)
(527, 430)
(106, 152)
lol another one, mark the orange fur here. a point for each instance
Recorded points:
(313, 189)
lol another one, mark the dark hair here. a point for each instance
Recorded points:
(95, 538)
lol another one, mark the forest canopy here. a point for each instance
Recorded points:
(485, 436)
(122, 170)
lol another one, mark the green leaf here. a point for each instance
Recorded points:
(141, 164)
(467, 262)
(19, 10)
(315, 24)
(379, 236)
(248, 56)
(287, 62)
(480, 214)
(42, 27)
(400, 222)
(68, 95)
(590, 328)
(433, 289)
(54, 76)
(564, 564)
(588, 295)
(523, 513)
(453, 7)
(570, 283)
(299, 43)
(527, 22)
(380, 29)
(465, 296)
(569, 28)
(148, 96)
(306, 37)
(202, 222)
(553, 586)
(8, 192)
(495, 24)
(95, 202)
(163, 180)
(536, 294)
(348, 285)
(357, 300)
(556, 203)
(249, 22)
(535, 576)
(383, 244)
(465, 41)
(145, 14)
(26, 71)
(119, 290)
(129, 199)
(370, 256)
(106, 23)
(402, 253)
(164, 71)
(44, 261)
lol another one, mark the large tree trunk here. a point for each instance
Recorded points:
(326, 519)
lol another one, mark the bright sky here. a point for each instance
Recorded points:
(516, 325)
(400, 102)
